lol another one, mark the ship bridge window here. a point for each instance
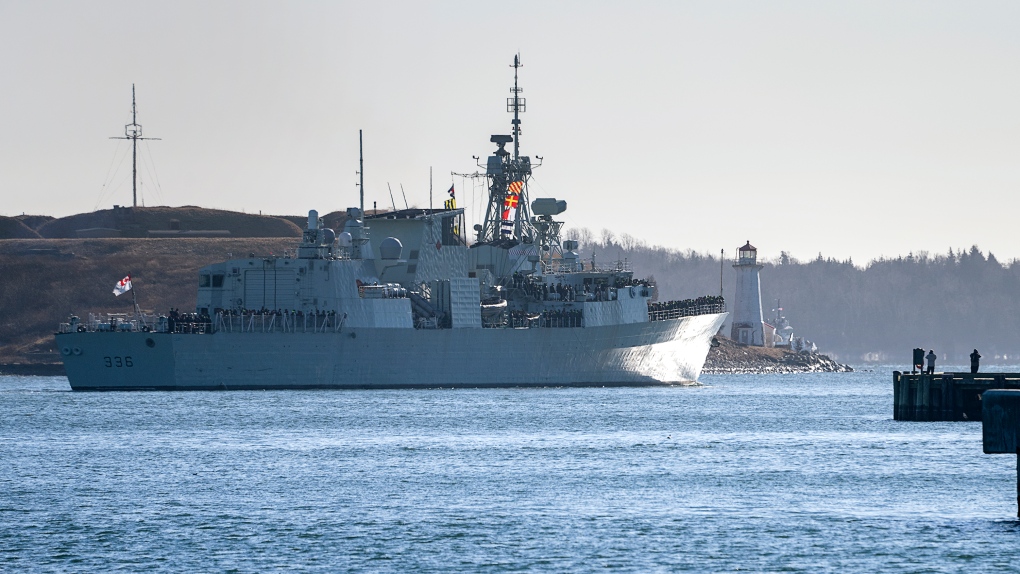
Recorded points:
(217, 280)
(203, 280)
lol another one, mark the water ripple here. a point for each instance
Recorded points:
(785, 473)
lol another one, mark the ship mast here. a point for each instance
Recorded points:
(516, 103)
(508, 214)
(133, 132)
(361, 174)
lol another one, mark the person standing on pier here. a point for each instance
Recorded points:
(931, 361)
(975, 357)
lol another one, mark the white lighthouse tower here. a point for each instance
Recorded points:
(748, 326)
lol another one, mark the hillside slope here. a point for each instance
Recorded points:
(138, 221)
(45, 280)
(14, 228)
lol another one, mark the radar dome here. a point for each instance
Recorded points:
(328, 236)
(345, 239)
(390, 248)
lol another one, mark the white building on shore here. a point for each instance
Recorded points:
(748, 326)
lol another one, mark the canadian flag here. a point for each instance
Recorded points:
(122, 286)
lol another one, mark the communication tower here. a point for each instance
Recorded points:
(133, 132)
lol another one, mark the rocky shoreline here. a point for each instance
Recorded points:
(728, 357)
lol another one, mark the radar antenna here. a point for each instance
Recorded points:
(361, 175)
(516, 104)
(133, 132)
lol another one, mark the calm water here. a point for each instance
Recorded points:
(753, 473)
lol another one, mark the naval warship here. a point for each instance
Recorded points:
(409, 298)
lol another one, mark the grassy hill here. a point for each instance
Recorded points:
(138, 221)
(34, 221)
(334, 220)
(44, 280)
(14, 228)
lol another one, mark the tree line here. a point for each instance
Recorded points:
(952, 302)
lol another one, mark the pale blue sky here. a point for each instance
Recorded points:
(855, 129)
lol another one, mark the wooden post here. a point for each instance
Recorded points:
(951, 414)
(1000, 425)
(925, 402)
(911, 398)
(896, 378)
(917, 398)
(905, 397)
(945, 414)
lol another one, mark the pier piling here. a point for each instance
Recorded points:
(1000, 419)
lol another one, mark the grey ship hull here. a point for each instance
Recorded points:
(648, 353)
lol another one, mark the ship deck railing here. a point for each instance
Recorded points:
(691, 311)
(562, 267)
(111, 323)
(329, 322)
(228, 322)
(543, 322)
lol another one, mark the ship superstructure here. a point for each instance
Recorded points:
(409, 299)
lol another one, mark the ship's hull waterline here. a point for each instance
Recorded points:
(651, 353)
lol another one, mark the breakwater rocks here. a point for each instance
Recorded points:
(727, 357)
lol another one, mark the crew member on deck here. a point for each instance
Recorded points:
(931, 361)
(975, 358)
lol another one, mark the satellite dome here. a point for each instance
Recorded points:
(345, 239)
(390, 248)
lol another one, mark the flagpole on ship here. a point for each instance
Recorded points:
(134, 301)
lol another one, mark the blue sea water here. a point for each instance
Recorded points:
(792, 473)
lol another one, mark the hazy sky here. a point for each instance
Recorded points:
(854, 129)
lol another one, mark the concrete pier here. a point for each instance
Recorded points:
(1000, 418)
(945, 396)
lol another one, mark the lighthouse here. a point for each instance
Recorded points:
(748, 326)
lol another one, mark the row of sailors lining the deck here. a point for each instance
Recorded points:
(676, 309)
(178, 322)
(519, 280)
(276, 312)
(541, 291)
(561, 318)
(554, 319)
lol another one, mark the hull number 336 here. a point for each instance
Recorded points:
(118, 362)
